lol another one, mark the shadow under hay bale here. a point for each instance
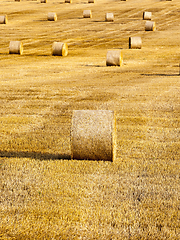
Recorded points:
(135, 43)
(114, 58)
(16, 47)
(93, 135)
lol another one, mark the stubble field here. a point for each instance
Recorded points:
(43, 193)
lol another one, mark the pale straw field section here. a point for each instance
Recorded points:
(44, 194)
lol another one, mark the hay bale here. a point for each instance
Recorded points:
(109, 17)
(17, 0)
(3, 19)
(150, 26)
(59, 49)
(15, 47)
(135, 43)
(91, 1)
(43, 1)
(68, 1)
(114, 58)
(93, 135)
(87, 14)
(147, 15)
(52, 16)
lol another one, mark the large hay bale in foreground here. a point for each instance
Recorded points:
(114, 58)
(135, 43)
(3, 19)
(52, 16)
(150, 26)
(60, 49)
(87, 14)
(109, 17)
(16, 47)
(147, 15)
(93, 135)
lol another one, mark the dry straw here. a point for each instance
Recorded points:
(3, 19)
(109, 17)
(91, 1)
(87, 14)
(114, 58)
(135, 42)
(15, 47)
(52, 16)
(147, 15)
(150, 26)
(93, 135)
(68, 1)
(59, 49)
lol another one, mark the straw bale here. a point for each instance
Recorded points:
(147, 15)
(93, 135)
(17, 0)
(87, 14)
(114, 58)
(52, 16)
(150, 26)
(109, 17)
(68, 1)
(15, 47)
(59, 49)
(43, 1)
(3, 19)
(135, 42)
(91, 1)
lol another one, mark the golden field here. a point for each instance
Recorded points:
(43, 193)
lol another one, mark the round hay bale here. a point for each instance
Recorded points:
(109, 17)
(17, 0)
(147, 15)
(114, 58)
(3, 19)
(68, 1)
(15, 47)
(59, 49)
(91, 1)
(93, 135)
(43, 1)
(87, 14)
(150, 26)
(52, 16)
(135, 43)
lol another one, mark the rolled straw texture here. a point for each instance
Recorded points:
(93, 135)
(135, 42)
(87, 14)
(91, 1)
(114, 58)
(147, 15)
(150, 26)
(59, 49)
(68, 1)
(109, 17)
(15, 47)
(3, 19)
(52, 16)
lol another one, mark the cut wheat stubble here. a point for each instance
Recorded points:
(93, 135)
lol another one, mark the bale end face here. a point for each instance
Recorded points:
(93, 135)
(135, 43)
(109, 17)
(114, 58)
(87, 14)
(60, 49)
(3, 19)
(16, 47)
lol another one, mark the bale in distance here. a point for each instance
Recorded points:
(135, 43)
(87, 14)
(3, 19)
(52, 16)
(147, 15)
(114, 58)
(60, 49)
(16, 47)
(91, 1)
(93, 135)
(150, 26)
(68, 1)
(43, 1)
(109, 17)
(17, 0)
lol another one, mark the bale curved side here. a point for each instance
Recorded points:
(114, 58)
(147, 15)
(135, 43)
(59, 49)
(16, 47)
(150, 26)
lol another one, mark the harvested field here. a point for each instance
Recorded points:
(43, 193)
